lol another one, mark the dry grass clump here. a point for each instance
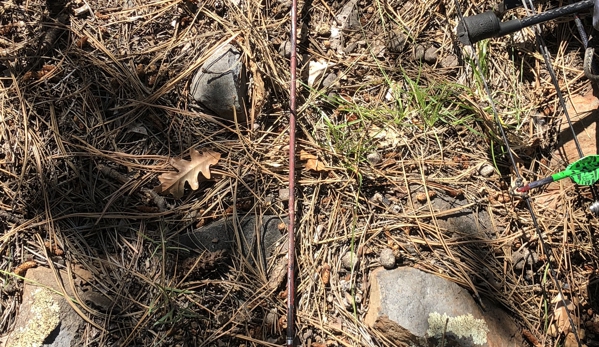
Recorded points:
(95, 102)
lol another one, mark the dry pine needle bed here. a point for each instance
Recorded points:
(106, 159)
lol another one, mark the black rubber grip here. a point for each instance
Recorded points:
(486, 25)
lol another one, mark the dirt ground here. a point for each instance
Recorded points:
(95, 102)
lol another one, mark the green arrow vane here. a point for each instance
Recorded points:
(584, 171)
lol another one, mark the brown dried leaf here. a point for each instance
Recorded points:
(316, 165)
(307, 156)
(312, 162)
(188, 171)
(325, 274)
(560, 313)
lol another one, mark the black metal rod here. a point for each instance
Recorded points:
(486, 25)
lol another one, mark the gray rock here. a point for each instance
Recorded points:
(349, 260)
(285, 49)
(524, 258)
(284, 194)
(486, 170)
(329, 80)
(221, 84)
(430, 55)
(397, 41)
(374, 158)
(387, 258)
(449, 61)
(45, 318)
(465, 221)
(220, 235)
(411, 306)
(348, 16)
(418, 52)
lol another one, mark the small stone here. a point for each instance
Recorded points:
(418, 52)
(329, 80)
(349, 260)
(450, 61)
(308, 334)
(284, 194)
(323, 30)
(350, 48)
(396, 209)
(348, 301)
(430, 55)
(271, 318)
(524, 258)
(220, 84)
(285, 49)
(397, 42)
(377, 197)
(422, 197)
(486, 170)
(10, 289)
(387, 258)
(374, 158)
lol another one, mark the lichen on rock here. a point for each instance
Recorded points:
(461, 326)
(44, 317)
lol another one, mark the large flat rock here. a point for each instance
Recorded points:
(411, 306)
(258, 234)
(259, 238)
(45, 318)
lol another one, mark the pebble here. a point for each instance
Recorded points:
(430, 55)
(374, 158)
(271, 318)
(285, 49)
(486, 170)
(387, 258)
(323, 30)
(349, 260)
(308, 334)
(348, 301)
(284, 194)
(449, 61)
(380, 198)
(329, 80)
(397, 42)
(418, 52)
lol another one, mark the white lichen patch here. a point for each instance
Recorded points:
(461, 326)
(43, 318)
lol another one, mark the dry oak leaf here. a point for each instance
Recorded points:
(560, 312)
(188, 171)
(312, 162)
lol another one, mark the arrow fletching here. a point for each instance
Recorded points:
(584, 172)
